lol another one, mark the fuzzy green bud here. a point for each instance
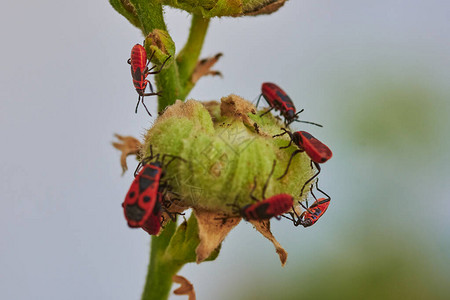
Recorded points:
(228, 148)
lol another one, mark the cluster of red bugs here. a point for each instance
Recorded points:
(317, 151)
(145, 200)
(139, 71)
(279, 204)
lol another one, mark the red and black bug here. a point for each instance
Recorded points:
(317, 151)
(140, 71)
(313, 213)
(268, 207)
(143, 202)
(279, 100)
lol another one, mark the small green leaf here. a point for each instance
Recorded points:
(126, 9)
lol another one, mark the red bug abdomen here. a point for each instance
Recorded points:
(138, 57)
(141, 198)
(318, 208)
(268, 91)
(316, 150)
(279, 204)
(268, 208)
(138, 65)
(153, 223)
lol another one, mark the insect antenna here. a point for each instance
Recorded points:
(306, 122)
(267, 180)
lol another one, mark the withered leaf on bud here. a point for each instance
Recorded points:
(213, 108)
(265, 9)
(128, 146)
(128, 6)
(238, 108)
(173, 206)
(186, 287)
(264, 228)
(204, 66)
(212, 230)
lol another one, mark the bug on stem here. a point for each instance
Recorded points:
(140, 71)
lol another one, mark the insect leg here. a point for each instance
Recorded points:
(149, 85)
(160, 68)
(309, 180)
(266, 112)
(253, 189)
(257, 102)
(137, 104)
(145, 106)
(268, 178)
(289, 163)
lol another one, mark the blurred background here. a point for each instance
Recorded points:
(376, 75)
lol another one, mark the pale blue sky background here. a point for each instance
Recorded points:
(375, 73)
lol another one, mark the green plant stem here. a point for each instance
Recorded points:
(160, 270)
(150, 13)
(126, 10)
(168, 82)
(188, 57)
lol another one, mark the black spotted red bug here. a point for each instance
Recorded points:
(317, 151)
(143, 202)
(142, 195)
(140, 71)
(153, 223)
(266, 208)
(279, 100)
(313, 213)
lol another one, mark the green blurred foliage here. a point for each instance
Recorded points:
(366, 267)
(394, 119)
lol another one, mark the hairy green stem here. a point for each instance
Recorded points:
(127, 10)
(168, 83)
(188, 57)
(160, 270)
(150, 14)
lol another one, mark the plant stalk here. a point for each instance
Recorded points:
(160, 270)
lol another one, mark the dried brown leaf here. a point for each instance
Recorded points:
(266, 9)
(204, 66)
(212, 230)
(186, 287)
(237, 107)
(264, 228)
(128, 146)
